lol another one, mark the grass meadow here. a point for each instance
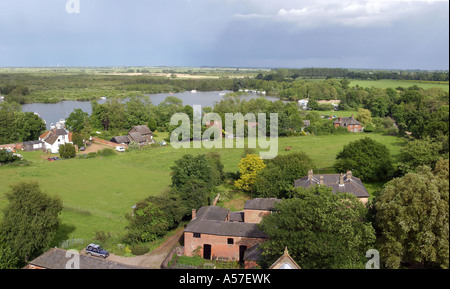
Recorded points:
(97, 193)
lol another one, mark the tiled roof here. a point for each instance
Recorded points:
(263, 204)
(351, 185)
(212, 220)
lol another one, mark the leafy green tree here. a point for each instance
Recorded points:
(191, 167)
(67, 151)
(368, 160)
(77, 139)
(8, 259)
(217, 173)
(277, 178)
(321, 229)
(30, 220)
(412, 215)
(191, 180)
(76, 120)
(7, 157)
(153, 218)
(249, 167)
(364, 116)
(419, 152)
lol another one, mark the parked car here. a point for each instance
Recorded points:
(97, 251)
(82, 149)
(120, 149)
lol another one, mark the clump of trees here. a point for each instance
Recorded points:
(368, 160)
(18, 126)
(412, 217)
(29, 224)
(276, 180)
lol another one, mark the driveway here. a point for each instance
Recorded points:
(153, 259)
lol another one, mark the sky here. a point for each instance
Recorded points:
(367, 34)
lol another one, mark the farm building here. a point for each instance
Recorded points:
(338, 182)
(36, 145)
(140, 134)
(218, 233)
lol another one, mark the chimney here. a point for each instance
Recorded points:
(341, 179)
(321, 180)
(194, 214)
(349, 175)
(310, 175)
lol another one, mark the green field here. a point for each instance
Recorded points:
(97, 193)
(386, 83)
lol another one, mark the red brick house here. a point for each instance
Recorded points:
(218, 233)
(350, 123)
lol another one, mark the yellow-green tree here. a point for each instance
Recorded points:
(249, 167)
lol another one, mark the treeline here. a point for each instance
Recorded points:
(283, 73)
(17, 126)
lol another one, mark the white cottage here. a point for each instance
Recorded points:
(54, 138)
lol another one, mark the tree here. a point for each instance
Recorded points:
(191, 167)
(364, 116)
(191, 180)
(153, 218)
(76, 120)
(249, 167)
(412, 215)
(278, 177)
(30, 220)
(368, 160)
(67, 151)
(8, 260)
(322, 230)
(7, 157)
(418, 153)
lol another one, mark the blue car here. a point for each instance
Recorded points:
(96, 250)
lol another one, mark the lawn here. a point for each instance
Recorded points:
(97, 193)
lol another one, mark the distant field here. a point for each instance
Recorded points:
(97, 193)
(386, 83)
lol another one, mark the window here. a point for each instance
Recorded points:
(197, 235)
(230, 241)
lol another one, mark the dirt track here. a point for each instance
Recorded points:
(153, 259)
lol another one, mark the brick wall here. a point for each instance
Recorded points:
(15, 146)
(254, 216)
(108, 143)
(219, 245)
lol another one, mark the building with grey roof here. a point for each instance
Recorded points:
(340, 183)
(216, 232)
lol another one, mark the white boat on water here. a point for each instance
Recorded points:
(193, 91)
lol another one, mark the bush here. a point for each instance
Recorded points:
(67, 151)
(106, 152)
(139, 250)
